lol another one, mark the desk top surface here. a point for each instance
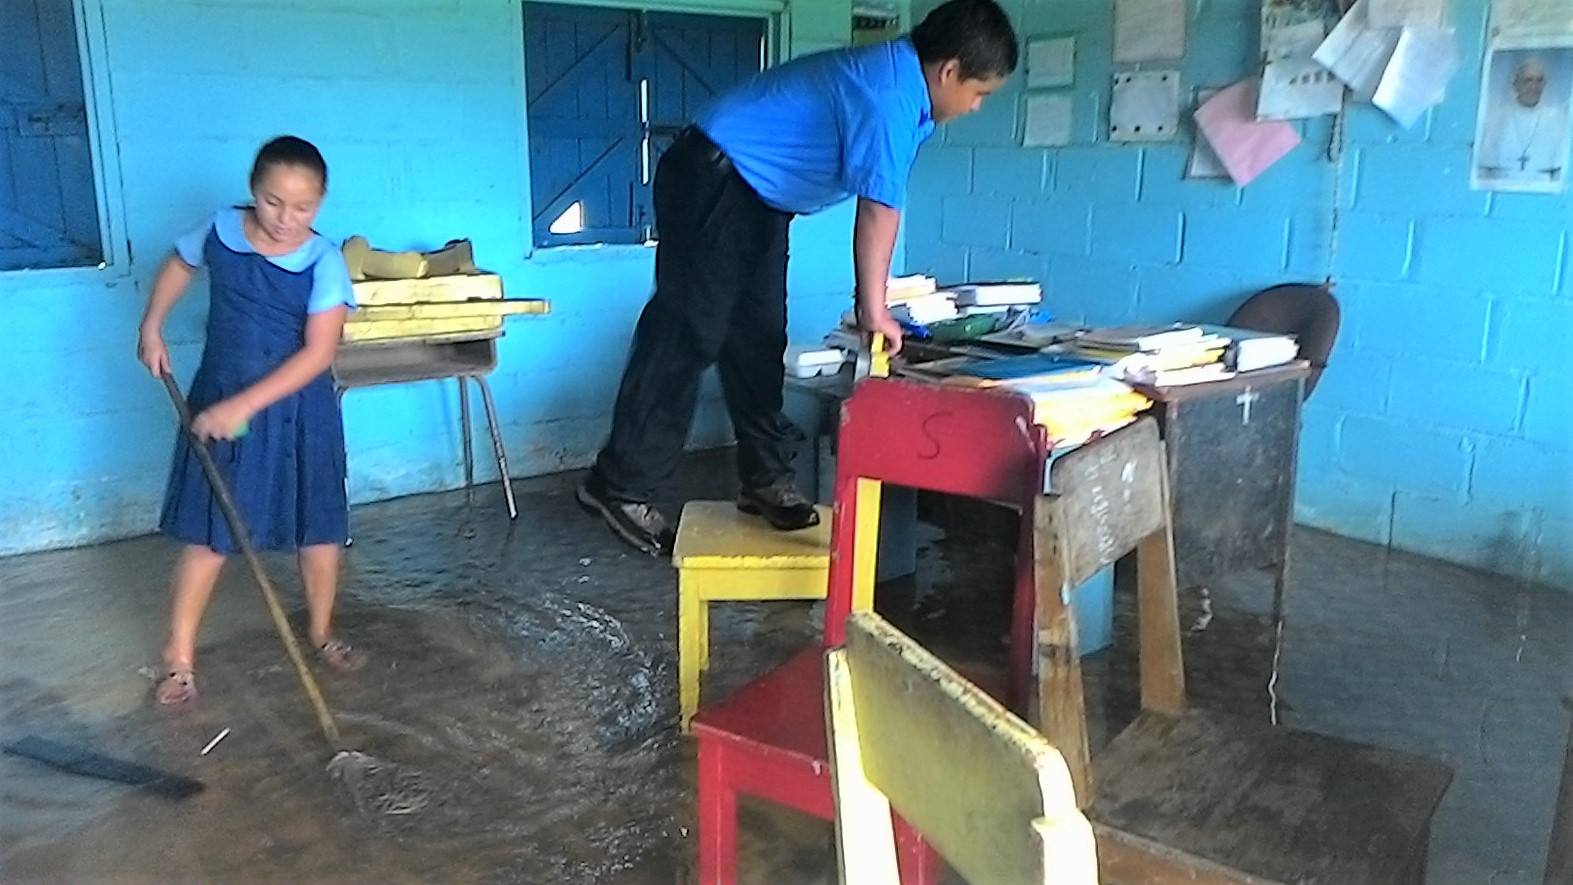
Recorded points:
(1286, 373)
(839, 385)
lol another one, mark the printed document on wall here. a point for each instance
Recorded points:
(1416, 77)
(1048, 119)
(1357, 53)
(1051, 61)
(1525, 17)
(1406, 13)
(1149, 30)
(1523, 131)
(1294, 85)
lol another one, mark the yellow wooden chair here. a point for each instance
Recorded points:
(722, 555)
(981, 786)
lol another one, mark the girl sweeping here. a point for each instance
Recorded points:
(263, 396)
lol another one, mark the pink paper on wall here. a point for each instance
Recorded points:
(1246, 147)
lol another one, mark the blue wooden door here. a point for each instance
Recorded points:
(48, 204)
(584, 120)
(689, 60)
(606, 91)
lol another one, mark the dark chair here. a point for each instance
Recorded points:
(1310, 313)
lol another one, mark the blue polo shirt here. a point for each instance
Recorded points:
(816, 130)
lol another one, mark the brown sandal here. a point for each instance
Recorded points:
(340, 655)
(179, 686)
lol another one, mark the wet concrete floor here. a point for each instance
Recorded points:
(527, 672)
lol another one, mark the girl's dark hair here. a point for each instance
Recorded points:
(976, 33)
(287, 150)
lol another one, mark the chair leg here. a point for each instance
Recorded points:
(1158, 625)
(717, 825)
(464, 433)
(1059, 706)
(691, 642)
(1024, 604)
(497, 447)
(702, 621)
(917, 859)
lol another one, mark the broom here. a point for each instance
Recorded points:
(374, 784)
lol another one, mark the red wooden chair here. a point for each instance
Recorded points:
(768, 740)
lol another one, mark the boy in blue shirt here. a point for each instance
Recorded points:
(793, 140)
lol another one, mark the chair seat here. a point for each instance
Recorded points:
(782, 712)
(715, 534)
(1283, 805)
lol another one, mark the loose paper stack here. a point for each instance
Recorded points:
(1401, 69)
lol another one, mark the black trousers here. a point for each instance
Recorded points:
(720, 298)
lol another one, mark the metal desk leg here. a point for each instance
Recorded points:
(502, 456)
(464, 425)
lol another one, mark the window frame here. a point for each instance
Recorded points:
(103, 158)
(776, 21)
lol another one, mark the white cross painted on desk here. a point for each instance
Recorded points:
(1245, 401)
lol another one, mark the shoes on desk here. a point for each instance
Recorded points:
(638, 524)
(780, 504)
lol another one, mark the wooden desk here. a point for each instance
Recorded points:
(1232, 449)
(1232, 446)
(401, 361)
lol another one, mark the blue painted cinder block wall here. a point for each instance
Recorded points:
(418, 106)
(1443, 424)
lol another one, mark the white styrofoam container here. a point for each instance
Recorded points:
(806, 362)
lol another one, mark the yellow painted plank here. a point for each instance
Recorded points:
(759, 583)
(459, 287)
(968, 774)
(376, 331)
(377, 313)
(693, 639)
(714, 534)
(865, 545)
(865, 835)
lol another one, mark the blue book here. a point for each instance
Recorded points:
(1032, 365)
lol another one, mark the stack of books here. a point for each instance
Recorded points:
(899, 289)
(1072, 398)
(1032, 368)
(976, 298)
(924, 310)
(1160, 356)
(1076, 413)
(1250, 351)
(914, 301)
(917, 301)
(1032, 335)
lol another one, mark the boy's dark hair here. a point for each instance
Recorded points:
(976, 33)
(287, 150)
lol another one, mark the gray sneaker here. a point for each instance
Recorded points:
(639, 525)
(781, 504)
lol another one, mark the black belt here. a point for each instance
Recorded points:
(708, 150)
